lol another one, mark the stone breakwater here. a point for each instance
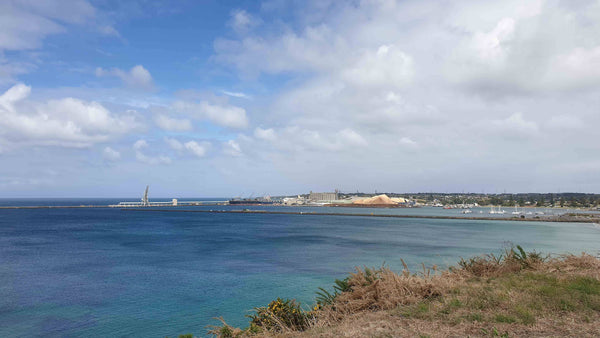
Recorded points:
(569, 218)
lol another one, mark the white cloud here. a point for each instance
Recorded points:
(232, 148)
(237, 94)
(10, 69)
(565, 122)
(242, 21)
(222, 114)
(152, 160)
(515, 125)
(370, 91)
(351, 138)
(13, 95)
(110, 154)
(387, 66)
(140, 144)
(315, 47)
(137, 77)
(265, 134)
(407, 141)
(65, 122)
(576, 68)
(171, 124)
(295, 139)
(109, 30)
(197, 149)
(24, 24)
(537, 46)
(409, 84)
(491, 47)
(229, 116)
(174, 144)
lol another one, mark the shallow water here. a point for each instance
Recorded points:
(109, 272)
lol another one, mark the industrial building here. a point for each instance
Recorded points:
(323, 196)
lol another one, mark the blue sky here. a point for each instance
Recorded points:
(174, 42)
(232, 98)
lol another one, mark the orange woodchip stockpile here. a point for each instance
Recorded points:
(376, 200)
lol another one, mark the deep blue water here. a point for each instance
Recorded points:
(111, 272)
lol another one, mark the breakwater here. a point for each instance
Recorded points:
(582, 218)
(53, 206)
(92, 206)
(570, 218)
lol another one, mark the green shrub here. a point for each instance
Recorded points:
(326, 298)
(280, 314)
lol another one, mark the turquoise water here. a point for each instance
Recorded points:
(111, 272)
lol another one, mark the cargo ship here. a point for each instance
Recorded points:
(251, 201)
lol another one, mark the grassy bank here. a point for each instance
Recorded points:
(514, 294)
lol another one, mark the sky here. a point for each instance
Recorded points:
(214, 98)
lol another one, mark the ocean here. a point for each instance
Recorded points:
(98, 272)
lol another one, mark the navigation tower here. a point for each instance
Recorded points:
(145, 202)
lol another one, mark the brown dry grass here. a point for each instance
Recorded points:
(517, 294)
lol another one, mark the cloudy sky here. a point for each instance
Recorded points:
(232, 98)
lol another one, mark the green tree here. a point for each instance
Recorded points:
(572, 202)
(510, 202)
(584, 201)
(540, 202)
(494, 200)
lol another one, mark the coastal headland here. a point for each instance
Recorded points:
(514, 294)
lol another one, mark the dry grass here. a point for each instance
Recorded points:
(382, 289)
(516, 294)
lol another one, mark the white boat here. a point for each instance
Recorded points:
(516, 212)
(498, 211)
(467, 211)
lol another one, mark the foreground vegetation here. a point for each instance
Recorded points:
(513, 294)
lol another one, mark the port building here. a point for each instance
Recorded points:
(323, 196)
